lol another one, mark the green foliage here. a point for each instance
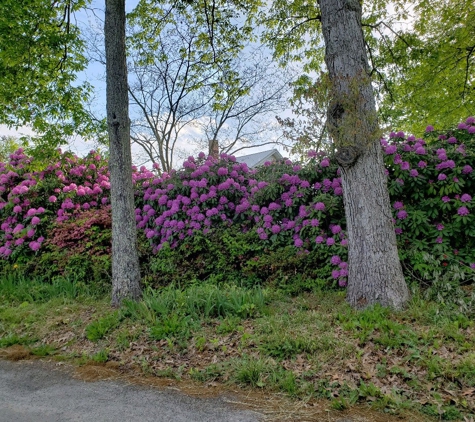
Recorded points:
(101, 356)
(252, 371)
(197, 301)
(41, 52)
(426, 66)
(171, 326)
(220, 256)
(16, 286)
(12, 339)
(421, 57)
(43, 350)
(447, 285)
(77, 248)
(99, 329)
(8, 145)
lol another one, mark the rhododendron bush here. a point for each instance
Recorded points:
(280, 206)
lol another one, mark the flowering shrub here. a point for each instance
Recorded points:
(283, 203)
(31, 201)
(278, 207)
(79, 247)
(431, 183)
(88, 233)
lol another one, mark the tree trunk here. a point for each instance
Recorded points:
(214, 149)
(375, 273)
(125, 263)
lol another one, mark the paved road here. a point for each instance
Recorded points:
(33, 392)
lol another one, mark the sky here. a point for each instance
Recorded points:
(94, 74)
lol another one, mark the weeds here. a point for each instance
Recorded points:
(18, 288)
(98, 329)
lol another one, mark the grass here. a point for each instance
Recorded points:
(19, 288)
(420, 361)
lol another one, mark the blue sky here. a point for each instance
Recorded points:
(92, 17)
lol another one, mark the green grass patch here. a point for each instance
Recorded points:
(310, 346)
(99, 329)
(19, 288)
(12, 339)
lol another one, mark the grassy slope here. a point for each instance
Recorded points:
(419, 362)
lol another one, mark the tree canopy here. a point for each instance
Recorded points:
(41, 53)
(426, 68)
(421, 55)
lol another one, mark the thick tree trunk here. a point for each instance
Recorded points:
(375, 273)
(125, 263)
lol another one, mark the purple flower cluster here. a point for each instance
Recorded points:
(282, 203)
(206, 194)
(35, 199)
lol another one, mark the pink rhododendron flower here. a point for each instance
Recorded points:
(402, 214)
(34, 245)
(335, 260)
(391, 149)
(398, 205)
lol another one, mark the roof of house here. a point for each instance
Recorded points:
(259, 158)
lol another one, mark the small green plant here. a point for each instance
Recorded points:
(43, 350)
(124, 337)
(252, 371)
(98, 329)
(228, 325)
(211, 372)
(12, 339)
(102, 356)
(285, 381)
(340, 403)
(171, 326)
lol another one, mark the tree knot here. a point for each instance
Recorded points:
(347, 155)
(353, 5)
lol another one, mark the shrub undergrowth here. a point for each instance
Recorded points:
(218, 220)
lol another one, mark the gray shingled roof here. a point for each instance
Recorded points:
(259, 158)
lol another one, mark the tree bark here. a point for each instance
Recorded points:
(375, 273)
(125, 263)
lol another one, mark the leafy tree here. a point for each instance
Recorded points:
(425, 69)
(375, 273)
(41, 53)
(187, 72)
(125, 263)
(8, 145)
(413, 46)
